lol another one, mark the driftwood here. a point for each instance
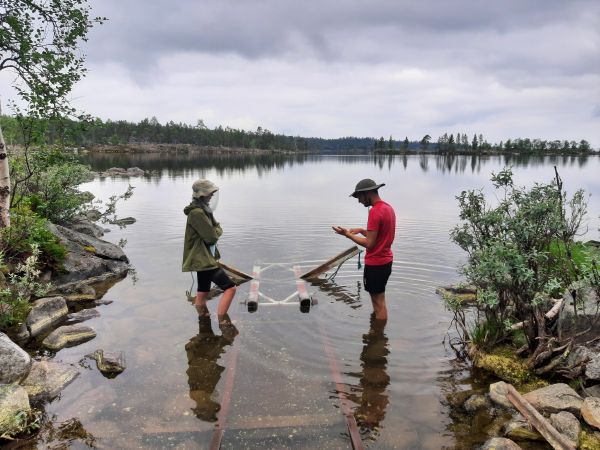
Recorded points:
(331, 263)
(550, 315)
(545, 428)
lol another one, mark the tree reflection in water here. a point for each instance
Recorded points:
(372, 395)
(204, 372)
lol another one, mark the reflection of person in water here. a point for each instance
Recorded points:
(373, 398)
(204, 372)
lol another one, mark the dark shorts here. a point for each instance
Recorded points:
(217, 276)
(376, 277)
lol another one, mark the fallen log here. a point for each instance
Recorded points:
(545, 428)
(551, 314)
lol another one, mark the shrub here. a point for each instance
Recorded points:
(23, 284)
(47, 181)
(27, 230)
(512, 248)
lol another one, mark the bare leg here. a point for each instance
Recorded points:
(379, 306)
(225, 301)
(200, 303)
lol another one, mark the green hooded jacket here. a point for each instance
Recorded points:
(201, 231)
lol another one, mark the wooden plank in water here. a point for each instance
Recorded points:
(242, 276)
(329, 264)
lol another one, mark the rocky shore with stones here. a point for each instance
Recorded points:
(56, 321)
(573, 409)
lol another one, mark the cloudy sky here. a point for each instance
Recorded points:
(331, 68)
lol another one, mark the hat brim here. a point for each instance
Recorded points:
(372, 188)
(204, 194)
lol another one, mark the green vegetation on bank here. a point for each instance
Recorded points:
(80, 133)
(522, 254)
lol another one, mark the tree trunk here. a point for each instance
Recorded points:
(4, 185)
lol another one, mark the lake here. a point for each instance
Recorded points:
(277, 382)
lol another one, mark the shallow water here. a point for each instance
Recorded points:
(276, 383)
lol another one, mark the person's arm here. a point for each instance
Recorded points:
(367, 241)
(204, 227)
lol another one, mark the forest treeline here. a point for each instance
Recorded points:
(151, 131)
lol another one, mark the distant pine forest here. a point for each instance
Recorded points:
(95, 132)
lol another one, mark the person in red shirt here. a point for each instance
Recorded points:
(377, 238)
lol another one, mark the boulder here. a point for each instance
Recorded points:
(47, 378)
(593, 391)
(14, 361)
(110, 364)
(45, 314)
(87, 257)
(22, 335)
(13, 402)
(87, 227)
(555, 398)
(68, 336)
(83, 315)
(567, 424)
(476, 402)
(590, 357)
(81, 242)
(124, 221)
(135, 172)
(500, 444)
(590, 411)
(498, 393)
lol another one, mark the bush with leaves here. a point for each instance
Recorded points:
(22, 285)
(47, 181)
(512, 252)
(28, 230)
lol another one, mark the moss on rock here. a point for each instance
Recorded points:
(506, 365)
(588, 441)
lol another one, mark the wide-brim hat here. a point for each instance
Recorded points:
(365, 185)
(203, 188)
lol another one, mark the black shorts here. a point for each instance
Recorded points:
(376, 277)
(217, 276)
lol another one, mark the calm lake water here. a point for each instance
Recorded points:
(277, 382)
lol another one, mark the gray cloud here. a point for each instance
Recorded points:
(332, 68)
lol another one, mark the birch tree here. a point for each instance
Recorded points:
(39, 43)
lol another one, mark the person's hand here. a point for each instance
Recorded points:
(340, 230)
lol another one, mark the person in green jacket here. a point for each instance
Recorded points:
(200, 253)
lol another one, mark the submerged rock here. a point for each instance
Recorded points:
(14, 361)
(47, 378)
(466, 295)
(500, 444)
(476, 402)
(110, 364)
(45, 314)
(124, 221)
(13, 402)
(68, 336)
(83, 315)
(555, 398)
(518, 428)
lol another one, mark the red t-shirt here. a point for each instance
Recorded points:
(383, 220)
